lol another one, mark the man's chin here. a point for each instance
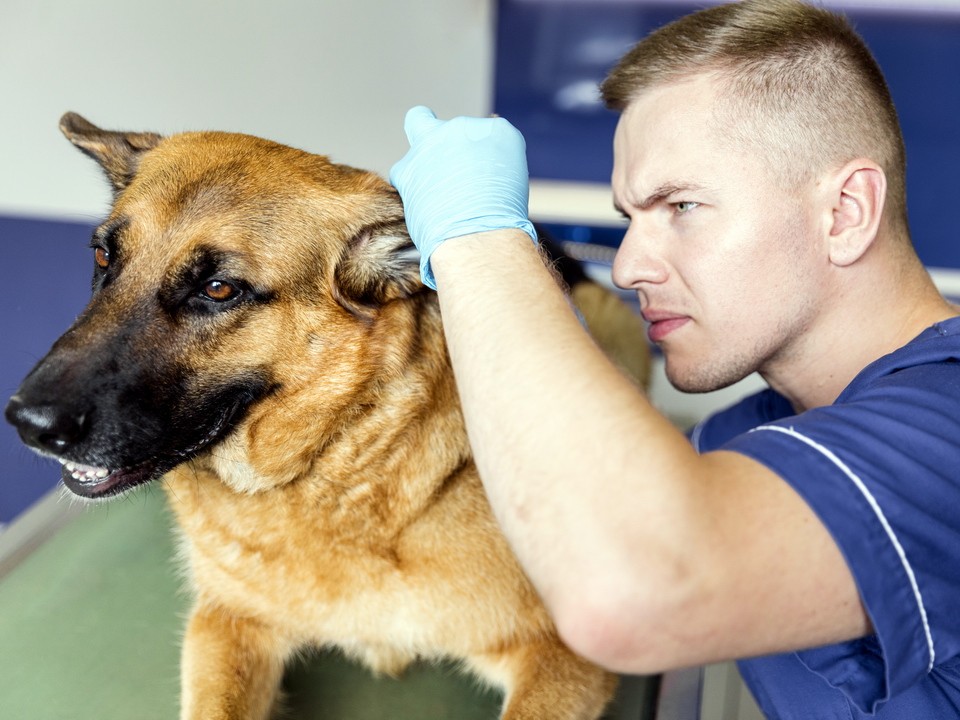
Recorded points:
(701, 379)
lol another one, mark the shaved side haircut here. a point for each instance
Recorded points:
(799, 87)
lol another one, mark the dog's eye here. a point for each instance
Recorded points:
(220, 291)
(101, 257)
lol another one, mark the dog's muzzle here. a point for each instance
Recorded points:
(104, 452)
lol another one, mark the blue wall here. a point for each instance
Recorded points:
(44, 284)
(550, 53)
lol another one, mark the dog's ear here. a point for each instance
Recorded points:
(380, 263)
(118, 153)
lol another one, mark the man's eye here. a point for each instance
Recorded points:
(101, 257)
(684, 206)
(219, 291)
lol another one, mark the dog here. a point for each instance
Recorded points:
(259, 340)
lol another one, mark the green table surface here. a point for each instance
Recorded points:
(90, 628)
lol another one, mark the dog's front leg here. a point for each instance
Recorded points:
(231, 667)
(546, 680)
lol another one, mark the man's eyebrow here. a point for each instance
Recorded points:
(662, 191)
(666, 190)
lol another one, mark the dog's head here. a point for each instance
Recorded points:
(230, 270)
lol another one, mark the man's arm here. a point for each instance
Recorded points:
(648, 555)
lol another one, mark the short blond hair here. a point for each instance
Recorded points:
(799, 85)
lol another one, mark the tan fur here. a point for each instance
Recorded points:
(345, 508)
(616, 328)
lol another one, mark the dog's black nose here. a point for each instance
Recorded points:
(46, 427)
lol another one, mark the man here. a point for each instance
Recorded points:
(815, 527)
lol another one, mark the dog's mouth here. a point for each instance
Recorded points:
(95, 482)
(99, 482)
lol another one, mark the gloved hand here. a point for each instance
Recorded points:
(461, 176)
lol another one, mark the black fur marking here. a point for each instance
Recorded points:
(196, 428)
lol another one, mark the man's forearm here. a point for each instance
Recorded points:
(570, 452)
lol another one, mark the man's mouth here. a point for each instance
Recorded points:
(662, 324)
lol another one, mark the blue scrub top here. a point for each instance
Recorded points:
(881, 469)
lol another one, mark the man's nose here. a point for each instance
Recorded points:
(638, 261)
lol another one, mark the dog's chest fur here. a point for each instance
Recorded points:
(283, 559)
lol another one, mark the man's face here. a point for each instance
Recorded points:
(724, 258)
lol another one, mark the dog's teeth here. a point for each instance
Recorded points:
(85, 472)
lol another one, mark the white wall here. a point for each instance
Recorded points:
(330, 76)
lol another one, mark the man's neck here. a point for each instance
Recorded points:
(816, 370)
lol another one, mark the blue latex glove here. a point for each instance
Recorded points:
(461, 176)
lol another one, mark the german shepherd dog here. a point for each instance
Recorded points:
(259, 338)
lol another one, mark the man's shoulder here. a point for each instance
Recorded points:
(923, 361)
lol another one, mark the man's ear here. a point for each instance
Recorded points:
(858, 194)
(380, 263)
(118, 153)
